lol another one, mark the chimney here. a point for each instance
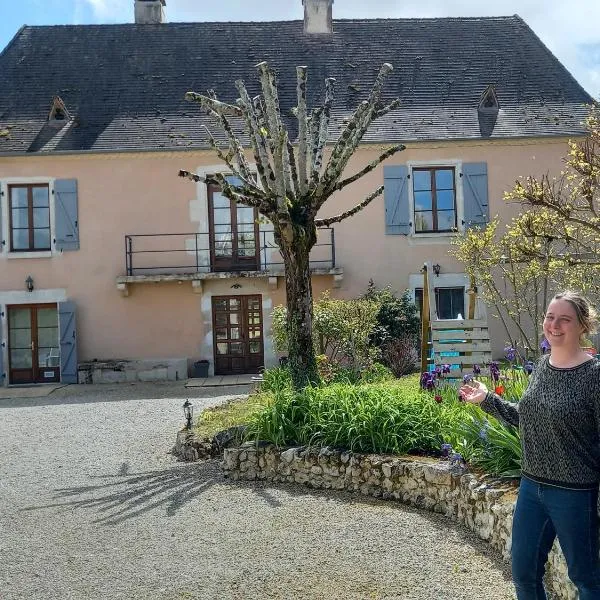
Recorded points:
(318, 16)
(150, 11)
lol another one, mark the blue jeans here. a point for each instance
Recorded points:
(544, 512)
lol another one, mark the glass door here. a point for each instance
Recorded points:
(34, 346)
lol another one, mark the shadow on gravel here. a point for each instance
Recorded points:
(122, 394)
(118, 498)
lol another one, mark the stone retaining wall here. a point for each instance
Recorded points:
(483, 505)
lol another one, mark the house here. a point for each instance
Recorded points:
(112, 265)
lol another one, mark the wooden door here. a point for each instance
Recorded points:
(34, 346)
(233, 234)
(238, 334)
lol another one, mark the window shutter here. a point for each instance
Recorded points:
(475, 193)
(397, 213)
(68, 342)
(2, 373)
(3, 203)
(66, 214)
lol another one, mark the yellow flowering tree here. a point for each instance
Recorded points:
(553, 244)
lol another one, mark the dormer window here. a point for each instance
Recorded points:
(489, 100)
(58, 112)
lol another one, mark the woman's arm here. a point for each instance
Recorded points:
(476, 392)
(501, 409)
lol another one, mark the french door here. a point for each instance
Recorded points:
(34, 343)
(238, 334)
(233, 234)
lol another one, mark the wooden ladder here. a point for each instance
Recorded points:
(467, 339)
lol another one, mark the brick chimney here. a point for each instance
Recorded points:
(150, 11)
(318, 16)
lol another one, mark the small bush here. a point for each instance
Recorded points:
(400, 355)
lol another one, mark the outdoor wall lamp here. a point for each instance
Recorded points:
(29, 283)
(188, 412)
(437, 269)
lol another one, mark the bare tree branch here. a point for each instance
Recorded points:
(329, 221)
(370, 167)
(213, 104)
(302, 115)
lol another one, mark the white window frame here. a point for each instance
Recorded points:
(448, 280)
(5, 251)
(416, 238)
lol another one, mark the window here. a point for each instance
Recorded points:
(234, 233)
(434, 193)
(29, 217)
(449, 302)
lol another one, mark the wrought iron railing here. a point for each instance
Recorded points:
(188, 253)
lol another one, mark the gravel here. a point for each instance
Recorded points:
(93, 506)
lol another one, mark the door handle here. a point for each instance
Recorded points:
(32, 345)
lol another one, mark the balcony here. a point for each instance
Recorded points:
(198, 257)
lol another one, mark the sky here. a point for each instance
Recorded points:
(569, 28)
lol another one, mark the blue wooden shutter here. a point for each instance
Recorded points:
(2, 373)
(397, 212)
(68, 342)
(66, 214)
(475, 193)
(3, 203)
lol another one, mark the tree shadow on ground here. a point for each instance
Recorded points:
(118, 498)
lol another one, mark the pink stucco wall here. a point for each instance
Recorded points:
(141, 193)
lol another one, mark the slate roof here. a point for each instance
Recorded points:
(123, 85)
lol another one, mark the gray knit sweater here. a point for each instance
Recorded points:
(559, 422)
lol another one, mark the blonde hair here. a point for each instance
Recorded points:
(586, 313)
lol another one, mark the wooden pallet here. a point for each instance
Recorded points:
(468, 339)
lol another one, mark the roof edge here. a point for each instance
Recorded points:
(524, 23)
(12, 41)
(540, 138)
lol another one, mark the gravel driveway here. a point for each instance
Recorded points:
(92, 506)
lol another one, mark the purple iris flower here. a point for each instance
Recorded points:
(545, 345)
(437, 372)
(528, 367)
(510, 353)
(456, 459)
(445, 369)
(494, 371)
(425, 379)
(476, 370)
(446, 449)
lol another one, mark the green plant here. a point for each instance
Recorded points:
(397, 317)
(341, 330)
(488, 444)
(276, 380)
(389, 417)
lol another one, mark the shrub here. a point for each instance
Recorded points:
(341, 331)
(397, 317)
(400, 355)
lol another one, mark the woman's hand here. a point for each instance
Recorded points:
(473, 392)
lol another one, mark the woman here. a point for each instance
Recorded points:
(559, 422)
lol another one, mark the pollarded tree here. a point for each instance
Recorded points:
(290, 183)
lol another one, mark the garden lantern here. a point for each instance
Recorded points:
(29, 283)
(188, 411)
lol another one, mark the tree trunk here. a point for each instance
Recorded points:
(301, 354)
